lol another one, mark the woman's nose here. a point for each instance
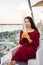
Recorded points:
(26, 23)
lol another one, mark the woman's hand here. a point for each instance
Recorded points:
(28, 37)
(25, 36)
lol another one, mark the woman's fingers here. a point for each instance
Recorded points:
(27, 36)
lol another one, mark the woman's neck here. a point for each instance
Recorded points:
(29, 29)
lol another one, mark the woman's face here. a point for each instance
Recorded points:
(27, 23)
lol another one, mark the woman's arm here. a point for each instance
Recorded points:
(35, 42)
(21, 40)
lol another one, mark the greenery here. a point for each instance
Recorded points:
(1, 54)
(10, 36)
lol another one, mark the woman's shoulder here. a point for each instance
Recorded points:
(21, 31)
(37, 33)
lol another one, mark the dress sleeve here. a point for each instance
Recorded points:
(20, 40)
(35, 42)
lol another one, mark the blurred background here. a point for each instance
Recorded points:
(12, 13)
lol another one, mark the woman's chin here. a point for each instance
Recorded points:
(27, 27)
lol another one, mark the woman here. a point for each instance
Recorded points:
(29, 43)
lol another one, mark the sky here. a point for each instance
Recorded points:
(12, 11)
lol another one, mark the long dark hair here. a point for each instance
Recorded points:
(32, 22)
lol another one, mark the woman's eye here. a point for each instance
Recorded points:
(25, 22)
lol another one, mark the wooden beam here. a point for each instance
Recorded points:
(38, 4)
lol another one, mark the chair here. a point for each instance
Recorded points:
(39, 54)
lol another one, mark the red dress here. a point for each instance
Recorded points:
(27, 50)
